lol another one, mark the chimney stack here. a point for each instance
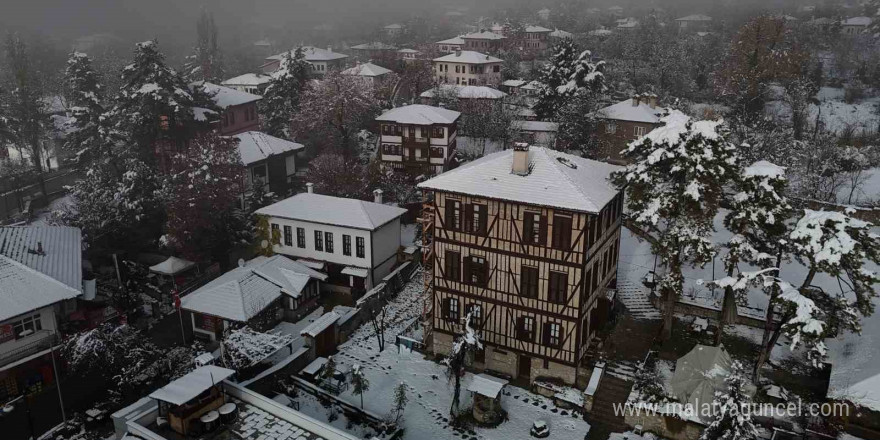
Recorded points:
(458, 51)
(635, 100)
(310, 187)
(652, 100)
(520, 159)
(377, 196)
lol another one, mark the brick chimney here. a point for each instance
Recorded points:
(310, 187)
(520, 165)
(377, 196)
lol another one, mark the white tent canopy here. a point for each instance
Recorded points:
(699, 374)
(192, 384)
(172, 266)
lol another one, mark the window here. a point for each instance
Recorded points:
(319, 241)
(276, 232)
(452, 266)
(528, 282)
(476, 217)
(558, 287)
(361, 252)
(496, 68)
(476, 312)
(453, 215)
(231, 117)
(552, 334)
(477, 271)
(450, 309)
(301, 238)
(533, 228)
(561, 232)
(639, 131)
(288, 236)
(328, 242)
(27, 326)
(610, 127)
(525, 328)
(437, 132)
(346, 245)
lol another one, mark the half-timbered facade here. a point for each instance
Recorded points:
(526, 241)
(418, 139)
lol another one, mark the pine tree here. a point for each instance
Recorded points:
(733, 418)
(674, 188)
(154, 104)
(329, 370)
(89, 131)
(400, 401)
(359, 383)
(568, 74)
(282, 96)
(462, 349)
(206, 63)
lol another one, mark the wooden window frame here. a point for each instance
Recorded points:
(452, 265)
(528, 286)
(328, 242)
(346, 245)
(288, 235)
(319, 241)
(561, 238)
(360, 247)
(301, 238)
(557, 287)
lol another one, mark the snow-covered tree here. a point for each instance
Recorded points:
(283, 94)
(733, 418)
(203, 190)
(462, 351)
(377, 311)
(674, 188)
(569, 72)
(244, 347)
(206, 62)
(88, 133)
(154, 103)
(340, 175)
(359, 382)
(400, 401)
(334, 111)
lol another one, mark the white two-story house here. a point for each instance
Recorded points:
(464, 67)
(40, 277)
(354, 242)
(419, 139)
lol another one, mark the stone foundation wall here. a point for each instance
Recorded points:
(666, 427)
(564, 372)
(502, 361)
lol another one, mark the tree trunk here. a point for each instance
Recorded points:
(728, 309)
(668, 314)
(453, 410)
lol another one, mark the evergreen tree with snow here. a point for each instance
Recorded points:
(733, 418)
(282, 96)
(462, 350)
(89, 131)
(674, 187)
(359, 382)
(206, 62)
(400, 401)
(154, 104)
(569, 73)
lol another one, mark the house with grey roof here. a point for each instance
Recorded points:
(418, 139)
(354, 242)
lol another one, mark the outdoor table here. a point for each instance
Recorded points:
(209, 420)
(228, 412)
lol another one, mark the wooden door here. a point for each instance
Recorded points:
(525, 367)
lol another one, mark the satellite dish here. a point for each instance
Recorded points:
(264, 244)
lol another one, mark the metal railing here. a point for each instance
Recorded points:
(42, 340)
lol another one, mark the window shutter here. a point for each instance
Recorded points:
(485, 277)
(469, 217)
(521, 328)
(542, 232)
(545, 333)
(467, 270)
(450, 215)
(445, 308)
(484, 220)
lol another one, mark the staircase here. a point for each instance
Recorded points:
(635, 298)
(624, 370)
(603, 421)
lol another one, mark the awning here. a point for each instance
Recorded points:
(172, 266)
(355, 272)
(486, 385)
(317, 265)
(320, 324)
(192, 384)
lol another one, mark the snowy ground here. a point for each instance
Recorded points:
(477, 147)
(426, 415)
(836, 115)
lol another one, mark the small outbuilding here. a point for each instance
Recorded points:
(487, 398)
(699, 374)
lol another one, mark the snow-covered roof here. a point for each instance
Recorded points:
(453, 40)
(172, 266)
(407, 50)
(420, 114)
(338, 211)
(855, 364)
(856, 21)
(243, 292)
(465, 92)
(535, 126)
(366, 69)
(254, 146)
(468, 57)
(763, 168)
(201, 114)
(625, 111)
(537, 29)
(355, 271)
(695, 17)
(23, 289)
(514, 83)
(315, 366)
(188, 387)
(532, 85)
(373, 45)
(555, 179)
(61, 256)
(558, 33)
(627, 23)
(248, 79)
(484, 35)
(600, 32)
(320, 324)
(486, 385)
(225, 97)
(394, 26)
(311, 53)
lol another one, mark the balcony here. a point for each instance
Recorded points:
(33, 344)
